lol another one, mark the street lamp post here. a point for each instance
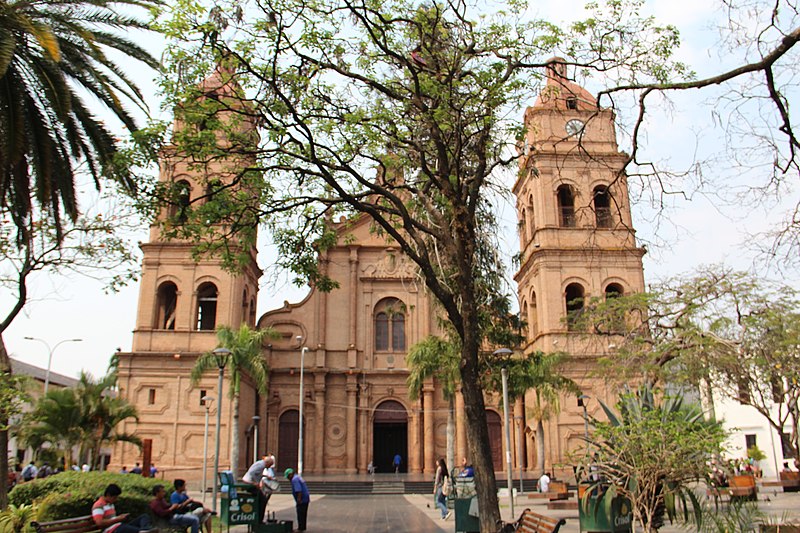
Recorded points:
(300, 438)
(221, 354)
(50, 356)
(509, 473)
(256, 420)
(582, 403)
(207, 400)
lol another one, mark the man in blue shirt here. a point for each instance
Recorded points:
(188, 505)
(301, 497)
(396, 462)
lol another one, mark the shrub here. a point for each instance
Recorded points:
(17, 519)
(71, 494)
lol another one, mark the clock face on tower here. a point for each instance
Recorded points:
(574, 127)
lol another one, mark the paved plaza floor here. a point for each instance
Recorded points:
(416, 513)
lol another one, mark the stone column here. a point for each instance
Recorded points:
(427, 417)
(364, 455)
(319, 397)
(414, 441)
(352, 396)
(519, 426)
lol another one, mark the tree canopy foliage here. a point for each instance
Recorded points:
(408, 112)
(718, 329)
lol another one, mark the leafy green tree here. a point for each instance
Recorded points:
(86, 416)
(245, 359)
(717, 330)
(402, 111)
(436, 358)
(652, 452)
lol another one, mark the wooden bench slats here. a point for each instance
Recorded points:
(81, 524)
(530, 522)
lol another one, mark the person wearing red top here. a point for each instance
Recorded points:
(105, 515)
(176, 514)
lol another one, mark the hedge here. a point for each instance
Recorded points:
(71, 494)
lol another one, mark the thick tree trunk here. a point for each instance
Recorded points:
(478, 434)
(539, 448)
(235, 435)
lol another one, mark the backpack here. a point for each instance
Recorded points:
(27, 473)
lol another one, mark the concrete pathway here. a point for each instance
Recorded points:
(416, 513)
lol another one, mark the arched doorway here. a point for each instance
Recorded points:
(495, 427)
(389, 436)
(288, 435)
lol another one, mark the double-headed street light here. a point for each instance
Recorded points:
(509, 474)
(221, 355)
(50, 357)
(207, 401)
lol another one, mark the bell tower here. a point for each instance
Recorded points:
(577, 241)
(184, 297)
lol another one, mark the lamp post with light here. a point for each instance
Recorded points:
(50, 356)
(207, 401)
(221, 355)
(582, 403)
(256, 420)
(300, 438)
(509, 473)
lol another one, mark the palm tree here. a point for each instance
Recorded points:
(435, 357)
(245, 358)
(53, 55)
(537, 371)
(56, 419)
(103, 412)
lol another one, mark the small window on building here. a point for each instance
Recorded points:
(167, 302)
(749, 441)
(534, 317)
(572, 102)
(206, 307)
(602, 208)
(573, 297)
(252, 311)
(566, 206)
(390, 326)
(178, 210)
(151, 397)
(202, 398)
(614, 290)
(743, 392)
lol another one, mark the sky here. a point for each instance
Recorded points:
(698, 231)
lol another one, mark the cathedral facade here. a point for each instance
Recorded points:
(349, 345)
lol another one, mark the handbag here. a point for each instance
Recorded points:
(447, 487)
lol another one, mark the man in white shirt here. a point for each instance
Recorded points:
(258, 475)
(544, 483)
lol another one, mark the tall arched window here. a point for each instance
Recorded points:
(252, 311)
(602, 207)
(207, 306)
(566, 206)
(573, 297)
(167, 302)
(525, 319)
(390, 325)
(534, 317)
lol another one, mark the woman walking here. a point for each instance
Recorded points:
(440, 483)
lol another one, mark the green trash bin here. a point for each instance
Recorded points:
(596, 516)
(465, 522)
(238, 506)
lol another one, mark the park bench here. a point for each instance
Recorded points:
(530, 522)
(790, 481)
(80, 524)
(557, 491)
